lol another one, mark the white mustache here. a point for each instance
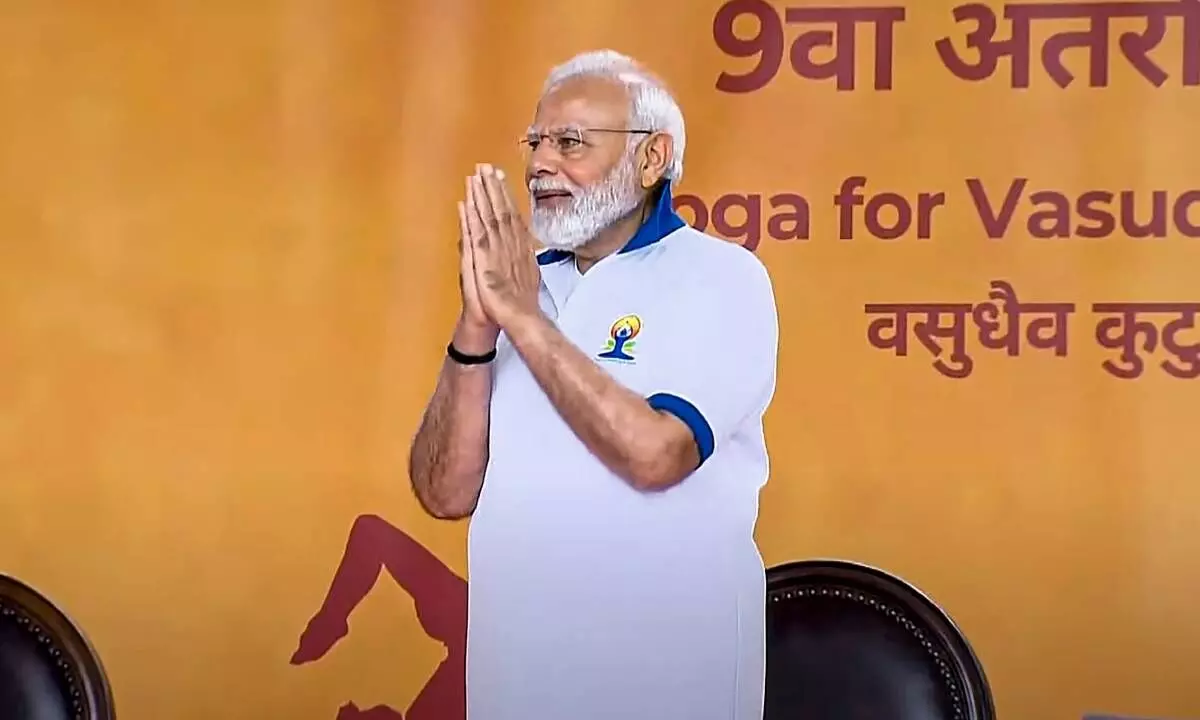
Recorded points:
(545, 184)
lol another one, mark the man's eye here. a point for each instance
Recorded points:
(569, 142)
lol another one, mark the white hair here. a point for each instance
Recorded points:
(652, 107)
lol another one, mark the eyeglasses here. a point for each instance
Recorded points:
(569, 142)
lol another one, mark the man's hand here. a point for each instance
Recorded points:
(476, 333)
(502, 249)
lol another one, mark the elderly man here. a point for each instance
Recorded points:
(599, 415)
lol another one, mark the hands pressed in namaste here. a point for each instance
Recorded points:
(499, 269)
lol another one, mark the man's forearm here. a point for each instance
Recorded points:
(649, 450)
(449, 453)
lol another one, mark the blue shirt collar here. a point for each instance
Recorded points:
(663, 221)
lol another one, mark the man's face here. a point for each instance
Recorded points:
(581, 180)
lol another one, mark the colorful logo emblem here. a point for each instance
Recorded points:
(620, 339)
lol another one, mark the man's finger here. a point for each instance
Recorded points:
(464, 239)
(466, 270)
(463, 230)
(506, 227)
(476, 219)
(506, 196)
(518, 222)
(473, 227)
(494, 188)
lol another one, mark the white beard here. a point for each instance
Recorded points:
(590, 210)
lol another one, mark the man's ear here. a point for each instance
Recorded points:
(657, 151)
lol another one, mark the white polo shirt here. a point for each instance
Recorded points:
(590, 600)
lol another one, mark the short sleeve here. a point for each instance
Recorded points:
(724, 352)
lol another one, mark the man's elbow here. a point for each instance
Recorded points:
(443, 500)
(445, 509)
(660, 464)
(450, 513)
(653, 480)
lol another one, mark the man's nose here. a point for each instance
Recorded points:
(543, 160)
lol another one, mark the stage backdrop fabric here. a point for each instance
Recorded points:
(229, 274)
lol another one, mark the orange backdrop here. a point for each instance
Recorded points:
(229, 274)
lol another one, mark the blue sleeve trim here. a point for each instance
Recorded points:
(691, 416)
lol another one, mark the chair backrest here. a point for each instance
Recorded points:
(850, 642)
(48, 670)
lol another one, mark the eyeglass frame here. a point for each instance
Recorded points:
(527, 142)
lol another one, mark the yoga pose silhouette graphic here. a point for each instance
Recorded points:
(440, 598)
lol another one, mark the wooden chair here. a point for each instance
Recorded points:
(850, 642)
(48, 670)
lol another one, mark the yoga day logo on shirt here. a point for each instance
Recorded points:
(620, 344)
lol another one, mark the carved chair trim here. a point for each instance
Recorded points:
(75, 661)
(947, 648)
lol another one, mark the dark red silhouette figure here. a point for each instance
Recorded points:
(440, 598)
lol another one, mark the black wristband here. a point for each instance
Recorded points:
(464, 359)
